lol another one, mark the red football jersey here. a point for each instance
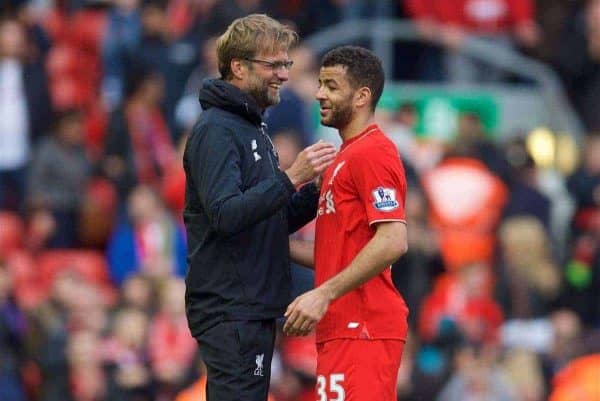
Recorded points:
(364, 185)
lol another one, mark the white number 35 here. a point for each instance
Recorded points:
(335, 386)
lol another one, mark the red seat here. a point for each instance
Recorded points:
(90, 264)
(29, 289)
(11, 232)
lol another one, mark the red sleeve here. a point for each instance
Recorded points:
(521, 10)
(379, 178)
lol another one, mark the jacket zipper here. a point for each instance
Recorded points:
(268, 142)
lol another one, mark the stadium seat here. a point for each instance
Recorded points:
(11, 232)
(90, 264)
(29, 290)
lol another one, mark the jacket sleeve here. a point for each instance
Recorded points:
(303, 207)
(214, 164)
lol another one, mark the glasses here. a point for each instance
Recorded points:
(273, 65)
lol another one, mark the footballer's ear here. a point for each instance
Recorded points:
(238, 68)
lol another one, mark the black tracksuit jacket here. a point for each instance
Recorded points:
(239, 210)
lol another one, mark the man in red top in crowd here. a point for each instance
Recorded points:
(359, 316)
(505, 23)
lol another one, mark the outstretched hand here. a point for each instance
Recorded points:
(305, 312)
(311, 162)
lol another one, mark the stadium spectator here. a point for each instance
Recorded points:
(464, 219)
(48, 341)
(528, 281)
(59, 171)
(578, 61)
(138, 145)
(125, 357)
(504, 23)
(461, 308)
(122, 35)
(477, 375)
(138, 292)
(87, 379)
(188, 108)
(415, 272)
(174, 56)
(173, 183)
(149, 241)
(292, 113)
(12, 339)
(25, 105)
(171, 347)
(522, 178)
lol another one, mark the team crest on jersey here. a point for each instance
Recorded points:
(385, 199)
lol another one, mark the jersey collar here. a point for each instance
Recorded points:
(368, 130)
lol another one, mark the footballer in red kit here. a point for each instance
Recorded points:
(359, 316)
(364, 186)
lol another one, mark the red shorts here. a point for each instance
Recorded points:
(358, 370)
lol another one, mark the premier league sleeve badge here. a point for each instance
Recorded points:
(385, 199)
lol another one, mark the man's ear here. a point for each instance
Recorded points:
(362, 97)
(238, 68)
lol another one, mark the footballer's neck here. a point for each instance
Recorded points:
(356, 126)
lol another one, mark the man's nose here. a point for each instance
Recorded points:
(283, 74)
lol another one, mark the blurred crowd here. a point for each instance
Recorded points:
(96, 100)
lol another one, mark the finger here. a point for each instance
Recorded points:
(321, 146)
(290, 308)
(320, 165)
(305, 326)
(321, 152)
(296, 326)
(323, 159)
(286, 327)
(290, 320)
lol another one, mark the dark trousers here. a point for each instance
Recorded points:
(12, 189)
(238, 358)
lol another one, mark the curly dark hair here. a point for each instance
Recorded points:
(363, 68)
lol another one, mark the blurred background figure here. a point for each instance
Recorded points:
(60, 170)
(506, 23)
(477, 376)
(25, 105)
(149, 240)
(126, 357)
(138, 147)
(171, 348)
(12, 339)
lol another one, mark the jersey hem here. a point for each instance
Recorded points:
(386, 220)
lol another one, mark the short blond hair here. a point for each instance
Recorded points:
(250, 35)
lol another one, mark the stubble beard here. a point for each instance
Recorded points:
(261, 93)
(338, 116)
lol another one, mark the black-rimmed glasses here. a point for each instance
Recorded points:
(273, 65)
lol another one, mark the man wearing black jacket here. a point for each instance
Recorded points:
(240, 209)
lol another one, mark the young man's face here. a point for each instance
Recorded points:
(264, 80)
(335, 95)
